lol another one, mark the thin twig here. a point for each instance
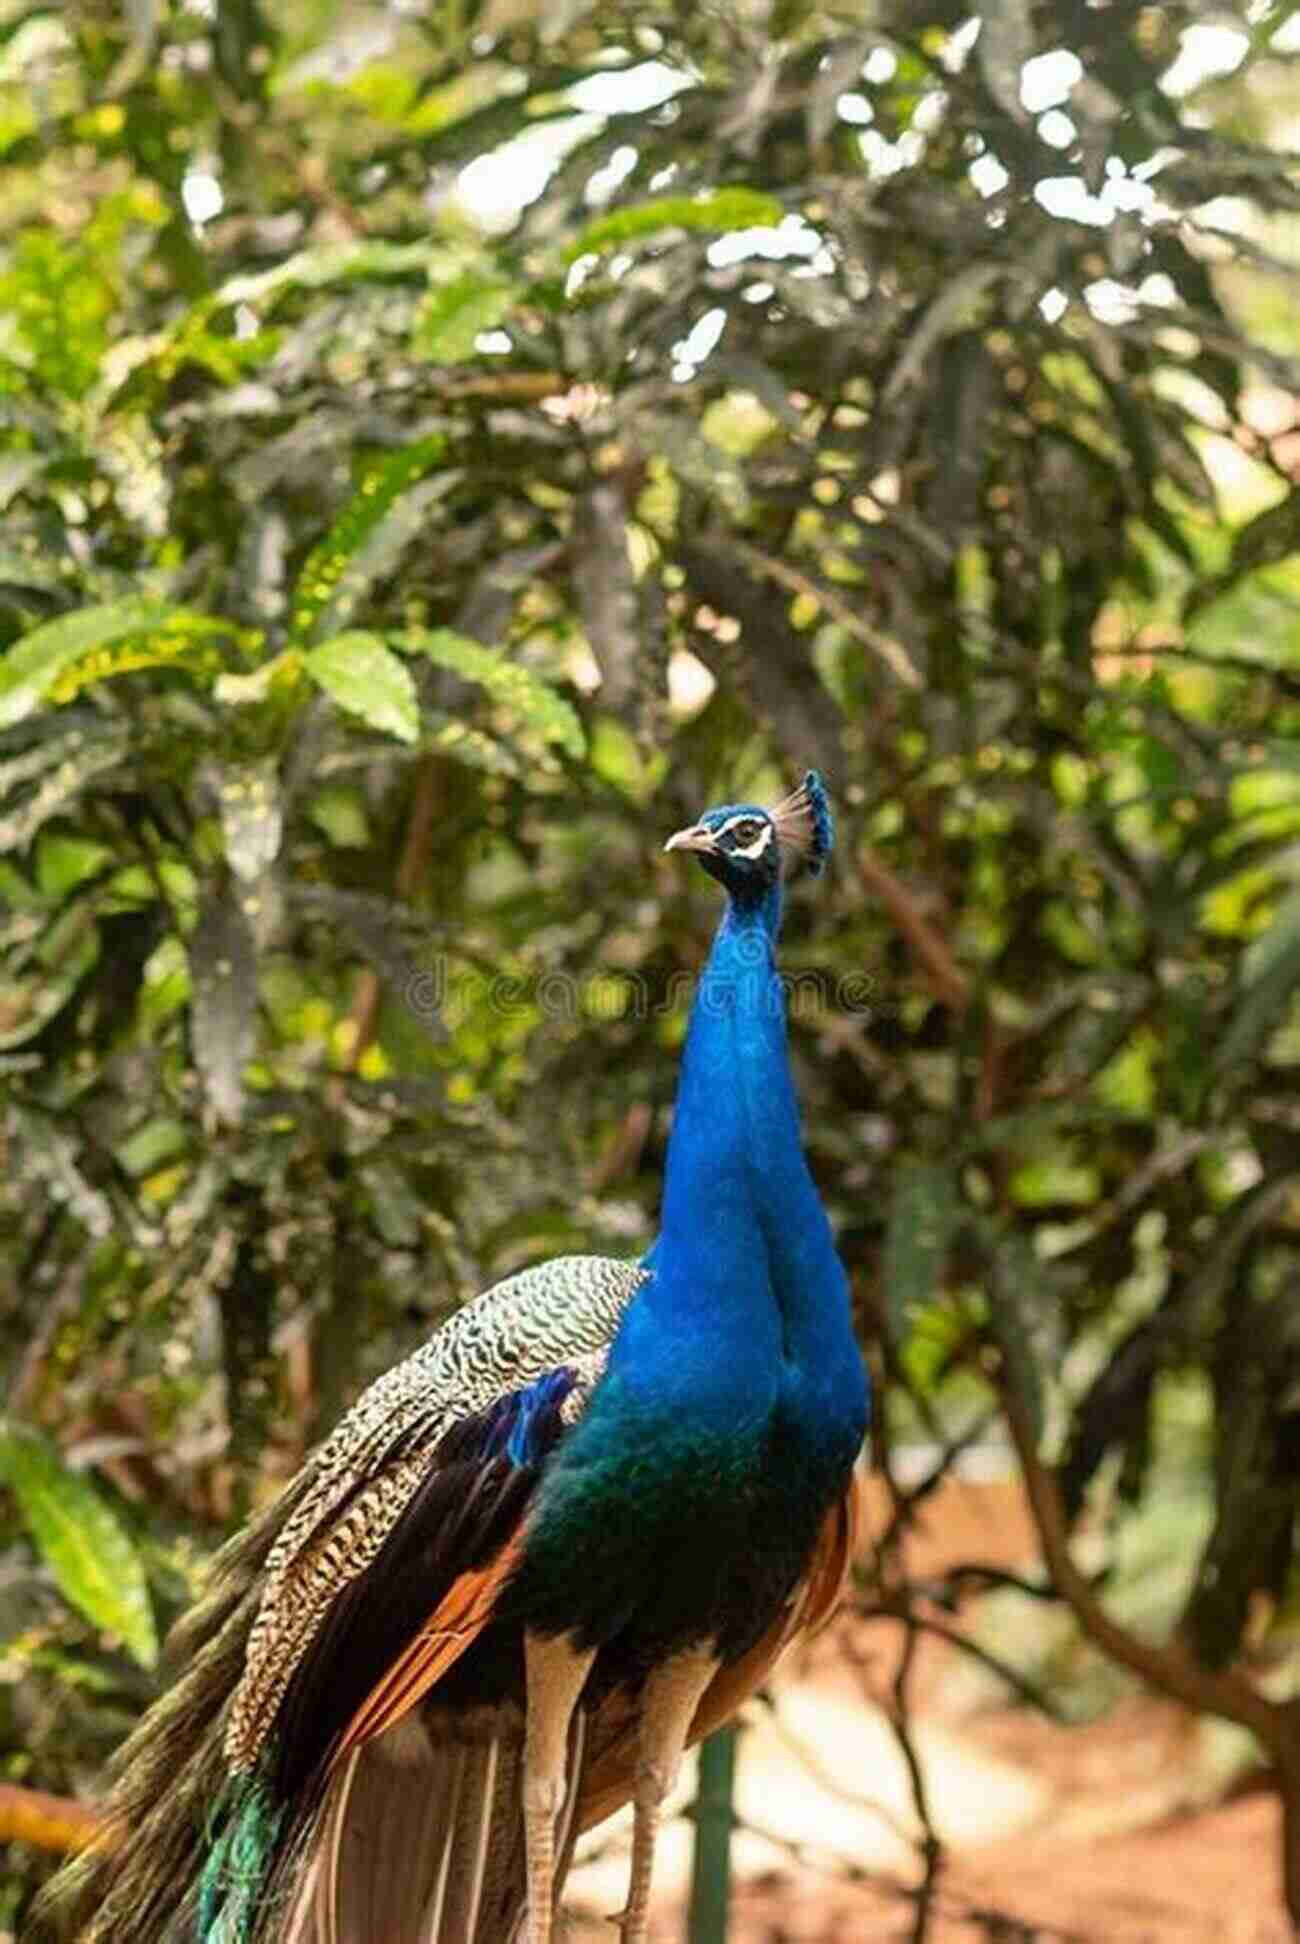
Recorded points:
(994, 1576)
(906, 1503)
(1019, 1683)
(930, 1846)
(946, 976)
(833, 1865)
(891, 652)
(826, 1778)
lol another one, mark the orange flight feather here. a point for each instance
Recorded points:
(451, 1628)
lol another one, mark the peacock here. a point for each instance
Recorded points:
(564, 1539)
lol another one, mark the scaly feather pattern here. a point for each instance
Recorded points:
(367, 1473)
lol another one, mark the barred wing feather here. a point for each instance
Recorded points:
(372, 1467)
(189, 1825)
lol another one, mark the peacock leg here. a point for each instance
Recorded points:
(555, 1673)
(672, 1694)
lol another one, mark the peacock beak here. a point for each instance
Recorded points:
(694, 838)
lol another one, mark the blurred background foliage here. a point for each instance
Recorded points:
(444, 447)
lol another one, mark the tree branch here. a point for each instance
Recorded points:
(410, 868)
(946, 976)
(47, 1822)
(1168, 1668)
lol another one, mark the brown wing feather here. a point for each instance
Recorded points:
(450, 1630)
(610, 1772)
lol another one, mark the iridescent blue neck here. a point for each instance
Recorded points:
(735, 1137)
(745, 1263)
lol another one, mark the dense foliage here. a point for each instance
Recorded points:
(442, 453)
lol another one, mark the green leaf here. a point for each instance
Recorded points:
(58, 303)
(396, 1210)
(454, 314)
(1053, 1175)
(58, 1154)
(60, 768)
(367, 679)
(158, 1141)
(21, 570)
(63, 656)
(465, 744)
(79, 1537)
(506, 681)
(343, 566)
(63, 862)
(1273, 536)
(716, 212)
(1274, 756)
(1022, 1310)
(922, 1222)
(330, 263)
(223, 1011)
(251, 809)
(1272, 979)
(340, 811)
(166, 984)
(695, 459)
(17, 471)
(65, 954)
(382, 932)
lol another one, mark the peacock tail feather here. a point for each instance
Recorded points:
(171, 1770)
(241, 1857)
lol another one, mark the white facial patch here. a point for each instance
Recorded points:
(751, 852)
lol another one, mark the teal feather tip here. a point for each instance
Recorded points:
(243, 1837)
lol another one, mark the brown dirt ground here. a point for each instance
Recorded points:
(1208, 1878)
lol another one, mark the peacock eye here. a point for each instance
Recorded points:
(746, 833)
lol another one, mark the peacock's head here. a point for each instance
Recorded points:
(743, 846)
